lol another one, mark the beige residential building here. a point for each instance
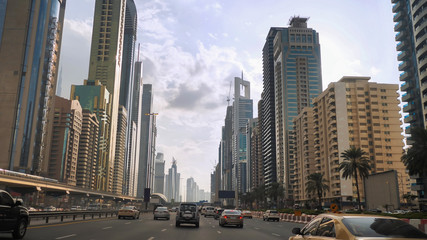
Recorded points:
(119, 160)
(352, 112)
(304, 152)
(88, 151)
(356, 113)
(66, 129)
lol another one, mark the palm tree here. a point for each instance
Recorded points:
(316, 184)
(355, 164)
(415, 157)
(409, 198)
(276, 192)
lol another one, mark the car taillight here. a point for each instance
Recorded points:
(225, 216)
(240, 217)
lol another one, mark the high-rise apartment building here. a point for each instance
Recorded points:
(119, 160)
(94, 96)
(30, 43)
(64, 149)
(411, 18)
(256, 166)
(191, 185)
(159, 178)
(297, 79)
(251, 126)
(242, 112)
(105, 65)
(304, 153)
(173, 183)
(88, 151)
(356, 113)
(225, 151)
(267, 110)
(146, 156)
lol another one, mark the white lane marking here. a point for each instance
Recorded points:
(257, 228)
(107, 227)
(275, 234)
(218, 232)
(72, 235)
(128, 223)
(151, 238)
(171, 225)
(164, 229)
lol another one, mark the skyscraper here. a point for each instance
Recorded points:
(411, 18)
(298, 78)
(105, 64)
(146, 140)
(225, 151)
(267, 114)
(159, 178)
(119, 158)
(127, 89)
(66, 130)
(173, 183)
(191, 185)
(242, 112)
(29, 51)
(93, 96)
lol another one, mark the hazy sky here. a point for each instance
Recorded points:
(193, 49)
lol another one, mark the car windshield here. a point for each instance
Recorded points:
(381, 227)
(128, 208)
(273, 211)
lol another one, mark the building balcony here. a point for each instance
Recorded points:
(417, 188)
(403, 66)
(408, 107)
(400, 36)
(397, 17)
(404, 76)
(401, 46)
(398, 26)
(402, 56)
(397, 7)
(405, 86)
(410, 118)
(406, 97)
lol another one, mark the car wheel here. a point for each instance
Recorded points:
(137, 217)
(197, 225)
(241, 226)
(20, 229)
(168, 219)
(177, 224)
(155, 218)
(119, 217)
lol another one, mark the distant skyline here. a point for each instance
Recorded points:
(192, 50)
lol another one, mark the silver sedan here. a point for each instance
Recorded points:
(231, 217)
(161, 212)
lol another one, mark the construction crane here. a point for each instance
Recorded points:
(229, 95)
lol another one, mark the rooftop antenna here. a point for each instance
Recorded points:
(228, 98)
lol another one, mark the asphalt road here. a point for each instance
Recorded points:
(148, 229)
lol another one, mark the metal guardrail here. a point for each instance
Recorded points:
(45, 217)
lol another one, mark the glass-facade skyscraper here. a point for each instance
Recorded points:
(297, 79)
(29, 54)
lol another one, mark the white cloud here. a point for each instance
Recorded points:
(375, 71)
(82, 28)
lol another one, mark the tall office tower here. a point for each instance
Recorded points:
(298, 78)
(216, 184)
(172, 183)
(132, 161)
(251, 127)
(30, 43)
(242, 112)
(95, 97)
(127, 88)
(256, 164)
(88, 151)
(119, 160)
(105, 64)
(159, 178)
(304, 153)
(356, 113)
(267, 123)
(146, 139)
(225, 155)
(190, 190)
(411, 29)
(66, 130)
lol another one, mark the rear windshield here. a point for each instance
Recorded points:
(186, 207)
(128, 207)
(162, 208)
(273, 211)
(381, 227)
(231, 212)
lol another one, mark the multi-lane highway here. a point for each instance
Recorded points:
(149, 229)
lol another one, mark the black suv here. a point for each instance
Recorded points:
(187, 213)
(13, 216)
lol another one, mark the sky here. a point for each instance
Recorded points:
(193, 49)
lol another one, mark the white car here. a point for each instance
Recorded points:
(209, 211)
